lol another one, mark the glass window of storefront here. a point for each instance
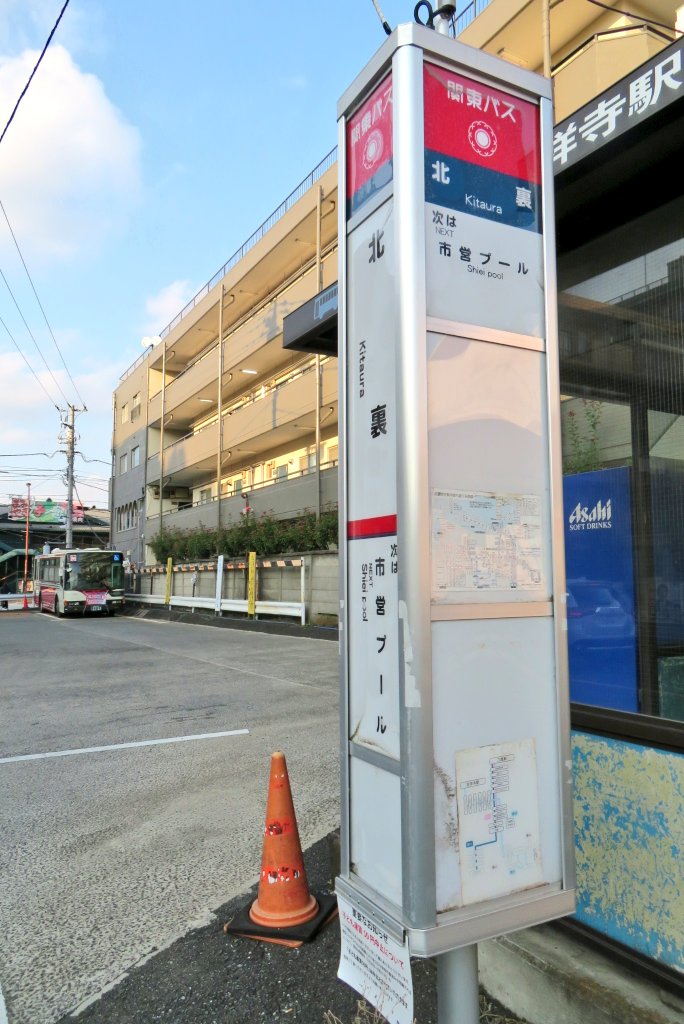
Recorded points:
(621, 329)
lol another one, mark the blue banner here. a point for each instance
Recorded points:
(482, 192)
(600, 585)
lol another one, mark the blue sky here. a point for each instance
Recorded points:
(154, 139)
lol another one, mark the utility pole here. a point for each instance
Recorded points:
(70, 445)
(28, 519)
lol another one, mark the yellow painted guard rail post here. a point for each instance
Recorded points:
(251, 585)
(169, 581)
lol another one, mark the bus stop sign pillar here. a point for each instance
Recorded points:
(456, 786)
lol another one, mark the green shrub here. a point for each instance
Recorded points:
(265, 535)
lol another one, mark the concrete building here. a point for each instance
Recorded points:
(187, 452)
(269, 430)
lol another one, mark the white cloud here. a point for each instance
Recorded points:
(26, 24)
(70, 162)
(165, 306)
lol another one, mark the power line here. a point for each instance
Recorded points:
(31, 335)
(96, 487)
(94, 533)
(40, 305)
(37, 65)
(14, 239)
(103, 461)
(28, 455)
(50, 399)
(381, 16)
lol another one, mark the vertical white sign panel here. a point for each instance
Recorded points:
(372, 556)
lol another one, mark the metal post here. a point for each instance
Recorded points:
(546, 37)
(443, 21)
(219, 409)
(169, 582)
(161, 443)
(458, 997)
(219, 585)
(319, 286)
(302, 590)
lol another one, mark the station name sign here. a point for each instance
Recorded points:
(646, 91)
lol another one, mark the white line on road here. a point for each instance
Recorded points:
(119, 746)
(3, 1011)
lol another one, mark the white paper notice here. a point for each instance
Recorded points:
(498, 819)
(483, 541)
(375, 964)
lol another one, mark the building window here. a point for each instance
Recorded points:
(124, 413)
(135, 407)
(622, 419)
(123, 463)
(205, 495)
(135, 456)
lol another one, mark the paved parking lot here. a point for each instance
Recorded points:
(111, 853)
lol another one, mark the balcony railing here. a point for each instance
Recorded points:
(287, 204)
(226, 495)
(468, 14)
(258, 395)
(136, 364)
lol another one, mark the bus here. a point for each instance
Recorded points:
(80, 581)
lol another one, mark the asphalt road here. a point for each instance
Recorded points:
(109, 855)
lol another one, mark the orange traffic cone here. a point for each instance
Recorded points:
(25, 603)
(284, 899)
(284, 911)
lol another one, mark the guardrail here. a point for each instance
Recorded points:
(289, 609)
(15, 602)
(219, 604)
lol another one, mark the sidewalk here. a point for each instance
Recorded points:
(206, 977)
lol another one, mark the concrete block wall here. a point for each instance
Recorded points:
(273, 584)
(323, 589)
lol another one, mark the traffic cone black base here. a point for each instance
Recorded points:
(293, 936)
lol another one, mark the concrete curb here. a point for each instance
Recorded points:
(200, 618)
(543, 975)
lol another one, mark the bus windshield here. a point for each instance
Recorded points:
(95, 570)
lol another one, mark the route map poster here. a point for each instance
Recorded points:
(499, 844)
(483, 541)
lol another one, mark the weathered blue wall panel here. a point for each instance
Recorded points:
(629, 837)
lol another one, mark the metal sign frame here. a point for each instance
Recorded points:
(414, 911)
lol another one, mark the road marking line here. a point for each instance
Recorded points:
(120, 746)
(3, 1012)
